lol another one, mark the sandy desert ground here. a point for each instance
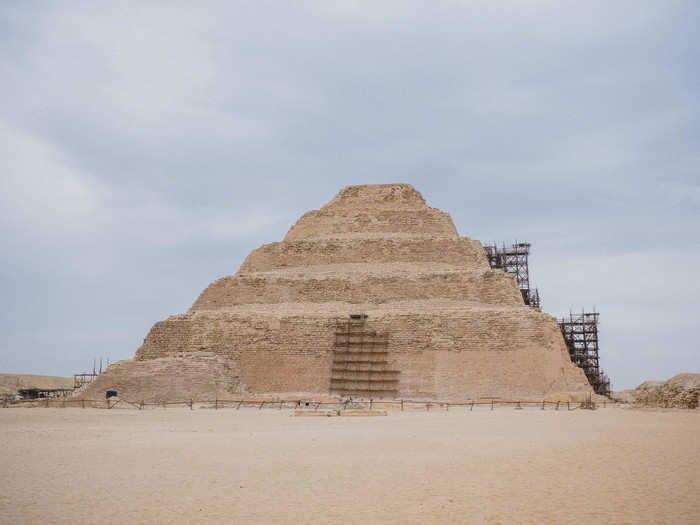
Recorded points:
(263, 466)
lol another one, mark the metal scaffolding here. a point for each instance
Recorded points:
(580, 333)
(80, 380)
(513, 259)
(361, 365)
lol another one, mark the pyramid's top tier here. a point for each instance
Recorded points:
(371, 211)
(384, 196)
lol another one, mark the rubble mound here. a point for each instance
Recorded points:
(681, 391)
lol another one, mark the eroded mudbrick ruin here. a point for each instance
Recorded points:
(374, 295)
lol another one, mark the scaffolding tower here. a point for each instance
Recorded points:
(80, 380)
(580, 333)
(513, 259)
(361, 365)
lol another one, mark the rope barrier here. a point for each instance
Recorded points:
(399, 404)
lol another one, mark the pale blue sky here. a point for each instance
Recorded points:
(148, 147)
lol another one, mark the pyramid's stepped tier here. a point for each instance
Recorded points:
(462, 252)
(332, 224)
(486, 287)
(227, 333)
(381, 210)
(274, 354)
(379, 197)
(448, 354)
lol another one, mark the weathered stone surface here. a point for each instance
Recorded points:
(487, 287)
(681, 391)
(454, 328)
(457, 253)
(197, 375)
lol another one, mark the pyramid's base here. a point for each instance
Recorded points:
(418, 350)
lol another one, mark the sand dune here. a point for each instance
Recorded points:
(264, 466)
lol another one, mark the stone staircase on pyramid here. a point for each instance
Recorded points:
(361, 361)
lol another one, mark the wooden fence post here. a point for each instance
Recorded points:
(191, 403)
(492, 404)
(402, 405)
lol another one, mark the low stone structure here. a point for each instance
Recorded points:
(431, 319)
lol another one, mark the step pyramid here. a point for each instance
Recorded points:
(374, 295)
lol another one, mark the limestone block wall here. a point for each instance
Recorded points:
(443, 355)
(458, 358)
(378, 196)
(487, 287)
(329, 223)
(463, 253)
(292, 354)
